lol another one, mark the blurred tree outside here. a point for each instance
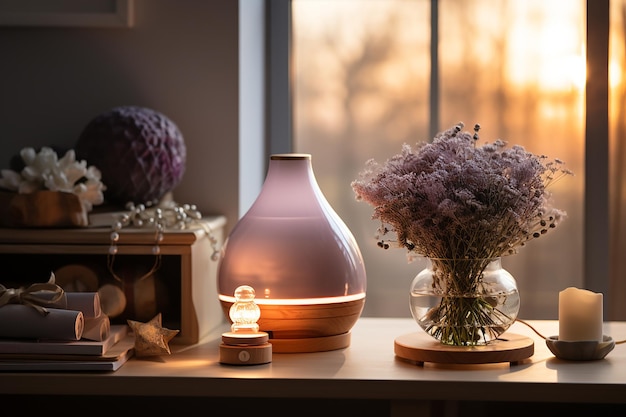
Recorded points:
(362, 84)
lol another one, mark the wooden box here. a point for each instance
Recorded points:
(182, 288)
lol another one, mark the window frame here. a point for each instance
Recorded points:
(596, 275)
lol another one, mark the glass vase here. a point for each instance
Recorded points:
(464, 302)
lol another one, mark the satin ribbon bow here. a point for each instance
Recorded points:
(38, 295)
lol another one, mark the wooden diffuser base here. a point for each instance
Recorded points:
(307, 328)
(311, 344)
(419, 348)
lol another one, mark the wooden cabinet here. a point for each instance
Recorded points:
(182, 286)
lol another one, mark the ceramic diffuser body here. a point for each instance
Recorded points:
(301, 259)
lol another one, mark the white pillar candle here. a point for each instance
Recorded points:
(580, 315)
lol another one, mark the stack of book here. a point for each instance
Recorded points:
(108, 354)
(43, 328)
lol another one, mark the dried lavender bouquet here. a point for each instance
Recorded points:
(461, 205)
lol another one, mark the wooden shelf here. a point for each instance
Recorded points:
(101, 235)
(183, 288)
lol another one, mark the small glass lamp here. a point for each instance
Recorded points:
(245, 344)
(301, 258)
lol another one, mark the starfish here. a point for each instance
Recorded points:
(151, 338)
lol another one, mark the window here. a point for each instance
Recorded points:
(368, 76)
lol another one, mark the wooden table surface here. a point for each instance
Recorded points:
(367, 369)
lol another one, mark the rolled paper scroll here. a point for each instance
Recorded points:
(144, 298)
(77, 278)
(38, 295)
(97, 328)
(87, 302)
(113, 300)
(18, 321)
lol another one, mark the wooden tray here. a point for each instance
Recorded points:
(419, 347)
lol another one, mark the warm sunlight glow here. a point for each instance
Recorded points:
(616, 75)
(563, 73)
(193, 363)
(545, 50)
(363, 87)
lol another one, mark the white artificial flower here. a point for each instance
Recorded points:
(28, 155)
(90, 191)
(90, 194)
(72, 169)
(38, 165)
(44, 170)
(10, 180)
(27, 187)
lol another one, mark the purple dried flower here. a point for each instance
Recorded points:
(452, 198)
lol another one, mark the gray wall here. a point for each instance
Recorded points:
(179, 58)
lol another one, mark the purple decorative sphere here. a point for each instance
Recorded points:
(140, 152)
